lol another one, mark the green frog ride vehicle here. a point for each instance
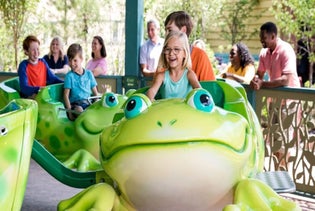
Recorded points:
(198, 153)
(60, 136)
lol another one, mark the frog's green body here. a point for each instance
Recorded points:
(63, 137)
(17, 131)
(183, 154)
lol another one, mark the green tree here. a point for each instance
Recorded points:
(61, 24)
(234, 17)
(296, 18)
(14, 13)
(203, 13)
(73, 18)
(6, 50)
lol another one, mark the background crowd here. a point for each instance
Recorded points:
(175, 65)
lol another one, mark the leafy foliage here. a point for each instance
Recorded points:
(73, 20)
(13, 15)
(235, 17)
(203, 13)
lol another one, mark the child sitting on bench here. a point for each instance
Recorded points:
(79, 83)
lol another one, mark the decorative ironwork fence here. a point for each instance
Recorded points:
(287, 117)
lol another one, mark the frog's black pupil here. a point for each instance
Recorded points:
(111, 99)
(205, 99)
(131, 105)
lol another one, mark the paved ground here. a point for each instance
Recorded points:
(43, 192)
(306, 203)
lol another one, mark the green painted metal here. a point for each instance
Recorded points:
(55, 168)
(134, 34)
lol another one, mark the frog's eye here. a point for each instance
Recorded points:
(110, 100)
(135, 105)
(200, 99)
(3, 131)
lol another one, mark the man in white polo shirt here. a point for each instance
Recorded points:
(151, 50)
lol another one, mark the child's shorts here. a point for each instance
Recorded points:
(83, 103)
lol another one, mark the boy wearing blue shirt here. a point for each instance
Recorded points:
(79, 83)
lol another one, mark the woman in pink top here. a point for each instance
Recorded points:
(98, 64)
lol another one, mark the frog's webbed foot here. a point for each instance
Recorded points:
(253, 194)
(99, 197)
(83, 160)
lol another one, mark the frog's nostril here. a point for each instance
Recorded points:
(170, 123)
(173, 121)
(3, 131)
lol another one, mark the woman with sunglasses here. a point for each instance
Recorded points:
(241, 68)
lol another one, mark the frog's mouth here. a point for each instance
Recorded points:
(91, 128)
(238, 149)
(229, 130)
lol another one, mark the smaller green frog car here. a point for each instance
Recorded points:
(66, 139)
(183, 154)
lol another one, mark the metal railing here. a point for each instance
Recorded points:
(287, 117)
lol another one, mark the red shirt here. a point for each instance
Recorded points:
(34, 76)
(37, 74)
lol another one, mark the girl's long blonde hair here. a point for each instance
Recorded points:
(163, 64)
